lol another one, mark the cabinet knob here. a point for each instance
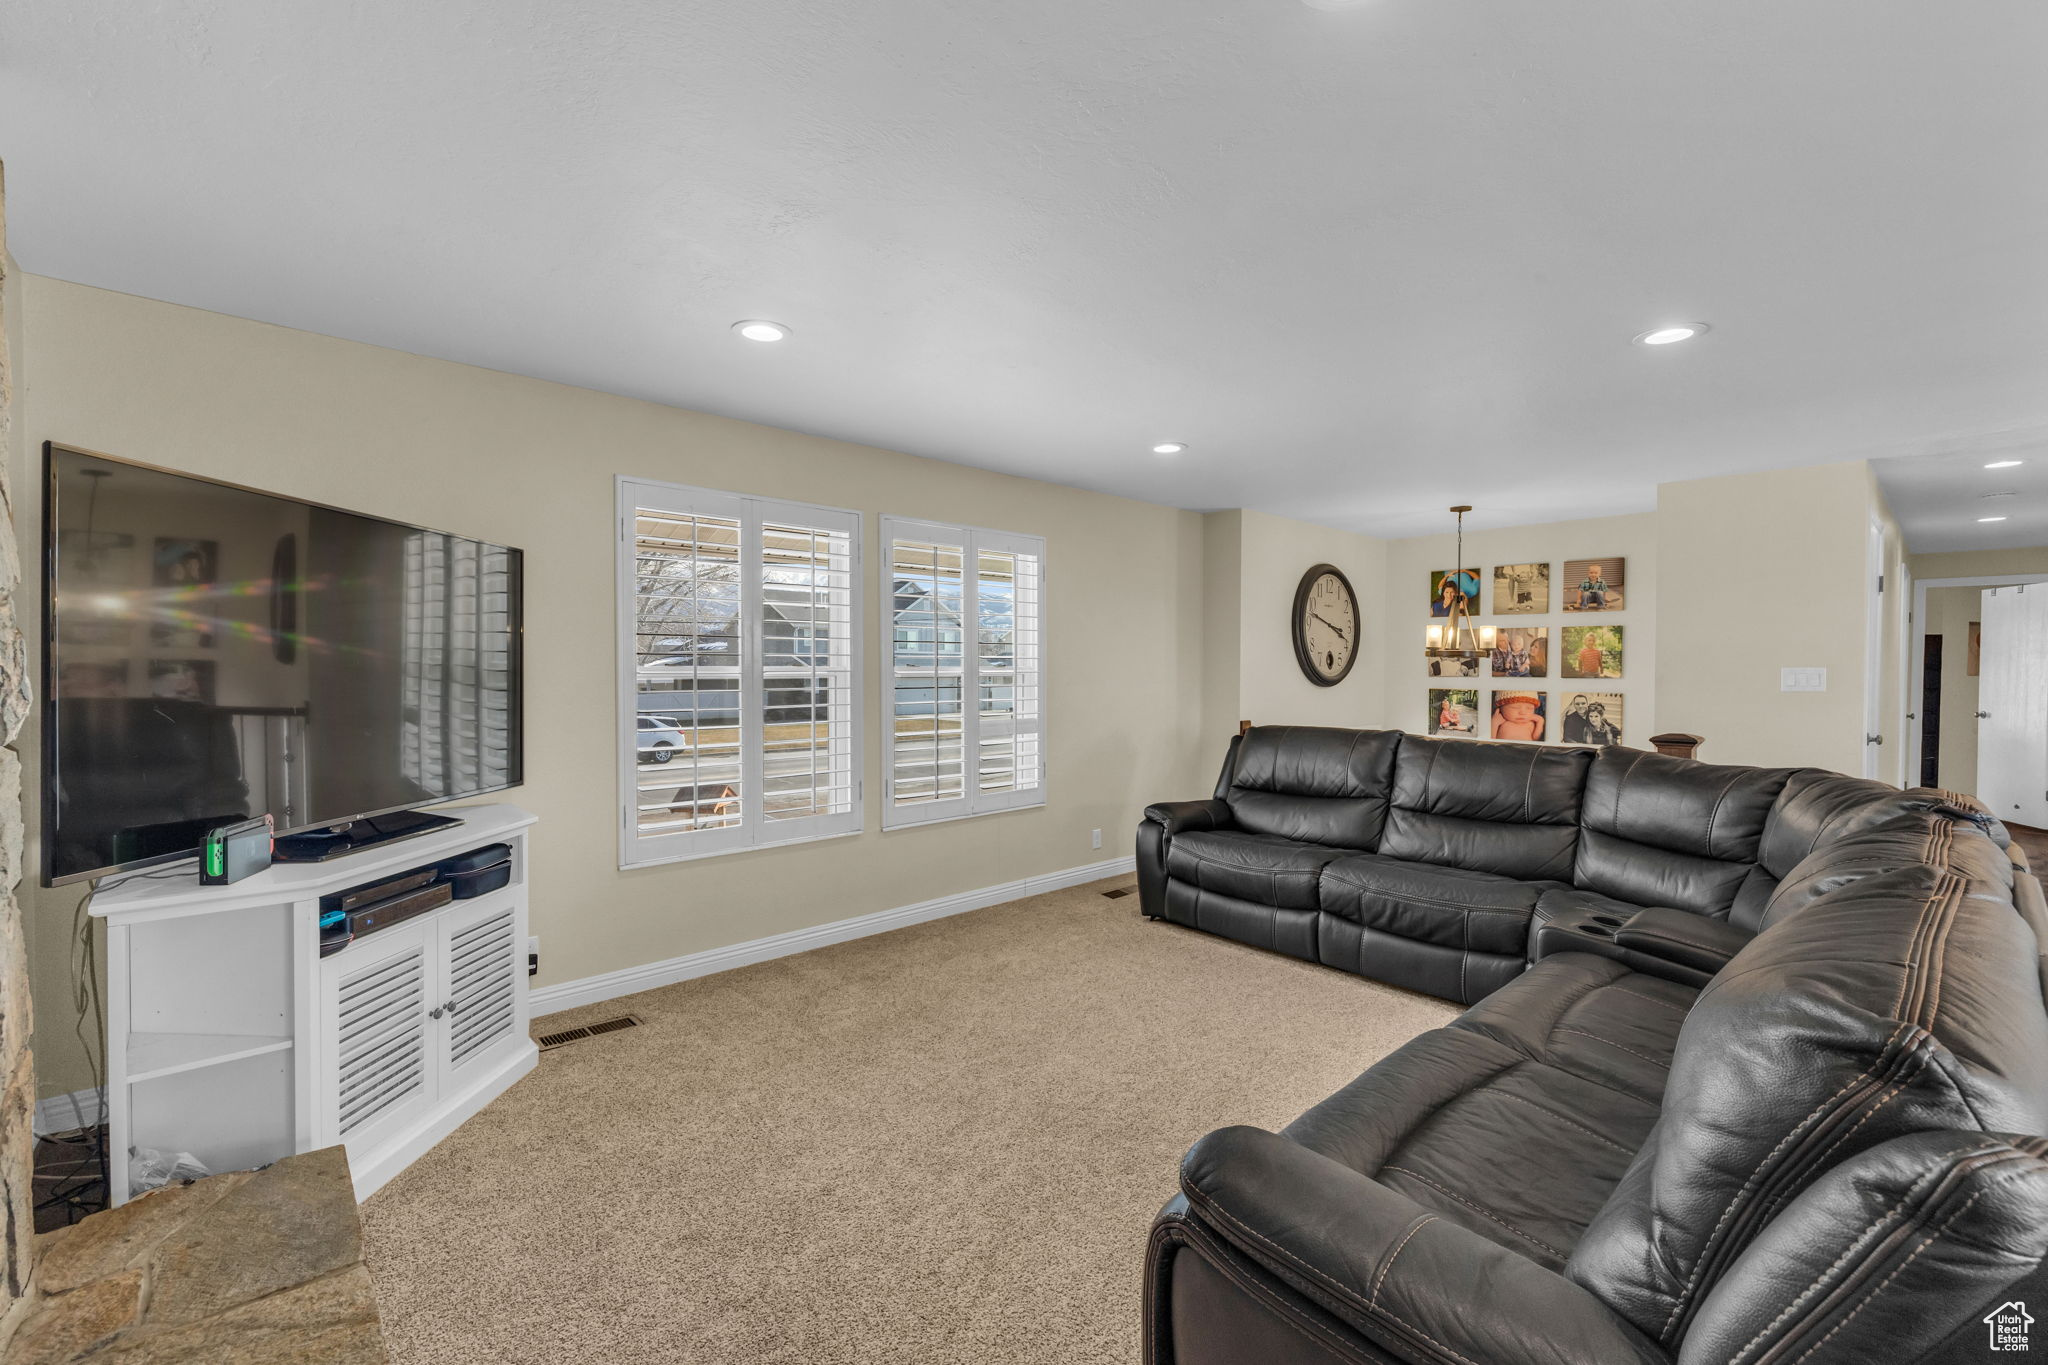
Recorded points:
(434, 1013)
(450, 1007)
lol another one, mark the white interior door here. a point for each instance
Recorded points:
(1873, 652)
(2012, 702)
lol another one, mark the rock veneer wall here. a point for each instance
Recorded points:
(247, 1268)
(17, 1102)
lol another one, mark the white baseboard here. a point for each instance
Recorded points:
(591, 989)
(62, 1113)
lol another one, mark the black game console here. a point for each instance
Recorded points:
(317, 846)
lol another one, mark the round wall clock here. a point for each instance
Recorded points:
(1325, 625)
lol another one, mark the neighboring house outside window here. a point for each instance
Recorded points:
(740, 677)
(963, 718)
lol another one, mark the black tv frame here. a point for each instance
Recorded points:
(47, 702)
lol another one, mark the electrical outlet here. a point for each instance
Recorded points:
(533, 955)
(1097, 836)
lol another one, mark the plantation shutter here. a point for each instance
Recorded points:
(739, 619)
(963, 711)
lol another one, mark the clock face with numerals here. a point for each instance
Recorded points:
(1325, 625)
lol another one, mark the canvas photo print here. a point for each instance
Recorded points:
(182, 679)
(86, 679)
(1521, 652)
(1520, 715)
(1595, 584)
(1453, 711)
(1464, 665)
(1521, 589)
(1592, 651)
(181, 563)
(1454, 591)
(181, 630)
(1591, 718)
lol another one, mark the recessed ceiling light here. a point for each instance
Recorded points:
(2003, 464)
(1168, 448)
(1991, 519)
(758, 329)
(1664, 336)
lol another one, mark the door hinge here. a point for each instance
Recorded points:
(1880, 582)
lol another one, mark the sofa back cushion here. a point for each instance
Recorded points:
(1886, 1256)
(1671, 831)
(1322, 786)
(1818, 809)
(1903, 1002)
(1511, 809)
(1900, 842)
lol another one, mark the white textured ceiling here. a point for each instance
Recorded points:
(1366, 263)
(1938, 499)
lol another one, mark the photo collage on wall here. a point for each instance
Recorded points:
(174, 610)
(1580, 654)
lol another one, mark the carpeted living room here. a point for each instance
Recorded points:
(1189, 682)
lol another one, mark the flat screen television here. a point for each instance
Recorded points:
(212, 653)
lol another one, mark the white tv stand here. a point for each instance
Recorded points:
(230, 1037)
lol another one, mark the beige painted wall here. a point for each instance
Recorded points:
(1273, 554)
(1222, 640)
(531, 464)
(1979, 563)
(1760, 572)
(1410, 563)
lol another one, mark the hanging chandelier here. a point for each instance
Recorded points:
(1457, 637)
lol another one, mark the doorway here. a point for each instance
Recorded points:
(1945, 731)
(1930, 710)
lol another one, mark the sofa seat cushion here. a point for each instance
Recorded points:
(1451, 906)
(1518, 1119)
(1254, 867)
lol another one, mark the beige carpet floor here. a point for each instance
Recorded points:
(943, 1144)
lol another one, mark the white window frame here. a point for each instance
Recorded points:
(753, 832)
(973, 801)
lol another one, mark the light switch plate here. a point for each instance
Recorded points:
(1802, 680)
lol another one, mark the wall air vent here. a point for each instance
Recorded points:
(550, 1041)
(1119, 893)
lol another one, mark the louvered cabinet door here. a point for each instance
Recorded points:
(379, 1035)
(485, 966)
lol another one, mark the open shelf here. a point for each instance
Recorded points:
(151, 1055)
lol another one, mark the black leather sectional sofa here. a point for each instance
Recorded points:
(1764, 1084)
(1439, 864)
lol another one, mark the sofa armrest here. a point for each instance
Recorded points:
(1682, 937)
(1422, 1286)
(1187, 817)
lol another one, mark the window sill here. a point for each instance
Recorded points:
(898, 828)
(637, 863)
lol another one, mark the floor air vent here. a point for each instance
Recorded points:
(571, 1035)
(1119, 892)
